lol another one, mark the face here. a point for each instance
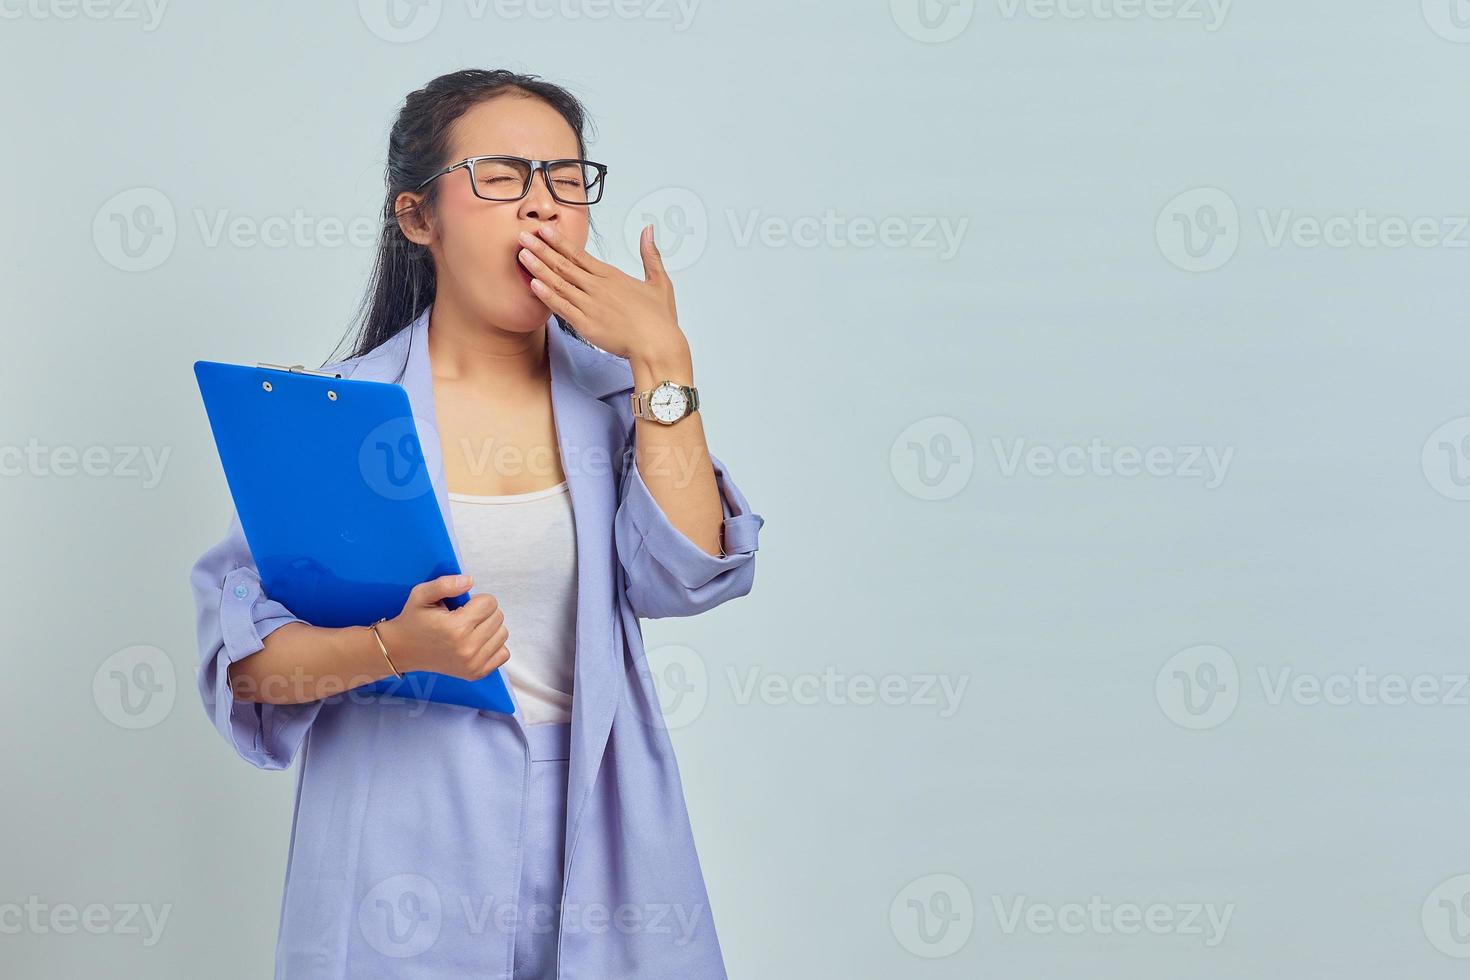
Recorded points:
(474, 242)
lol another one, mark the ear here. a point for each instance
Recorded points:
(412, 220)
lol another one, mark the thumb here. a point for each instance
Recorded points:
(438, 589)
(653, 262)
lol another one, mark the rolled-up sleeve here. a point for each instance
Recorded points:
(669, 575)
(234, 618)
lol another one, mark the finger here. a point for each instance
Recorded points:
(489, 656)
(552, 275)
(439, 589)
(494, 642)
(568, 266)
(653, 260)
(558, 303)
(571, 251)
(495, 661)
(479, 607)
(482, 632)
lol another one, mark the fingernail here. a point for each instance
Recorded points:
(527, 238)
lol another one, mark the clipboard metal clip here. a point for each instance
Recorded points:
(299, 369)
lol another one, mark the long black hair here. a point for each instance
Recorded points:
(402, 282)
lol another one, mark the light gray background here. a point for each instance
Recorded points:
(845, 834)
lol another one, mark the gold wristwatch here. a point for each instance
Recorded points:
(667, 402)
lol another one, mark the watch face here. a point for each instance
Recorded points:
(668, 403)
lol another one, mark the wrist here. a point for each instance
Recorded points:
(396, 657)
(670, 361)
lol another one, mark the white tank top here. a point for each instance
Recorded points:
(522, 549)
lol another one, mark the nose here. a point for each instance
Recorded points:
(538, 202)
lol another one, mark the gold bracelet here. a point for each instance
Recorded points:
(379, 638)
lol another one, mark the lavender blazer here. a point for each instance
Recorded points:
(406, 838)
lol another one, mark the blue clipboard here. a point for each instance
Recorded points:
(337, 507)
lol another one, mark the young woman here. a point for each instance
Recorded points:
(432, 840)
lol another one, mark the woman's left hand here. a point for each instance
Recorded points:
(623, 315)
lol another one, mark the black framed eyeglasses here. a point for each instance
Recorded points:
(506, 178)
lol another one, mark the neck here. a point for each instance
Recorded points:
(465, 347)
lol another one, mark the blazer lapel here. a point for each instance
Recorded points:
(588, 438)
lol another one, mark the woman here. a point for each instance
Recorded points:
(432, 840)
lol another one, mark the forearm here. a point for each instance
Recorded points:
(673, 460)
(301, 663)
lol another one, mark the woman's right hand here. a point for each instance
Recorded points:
(468, 642)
